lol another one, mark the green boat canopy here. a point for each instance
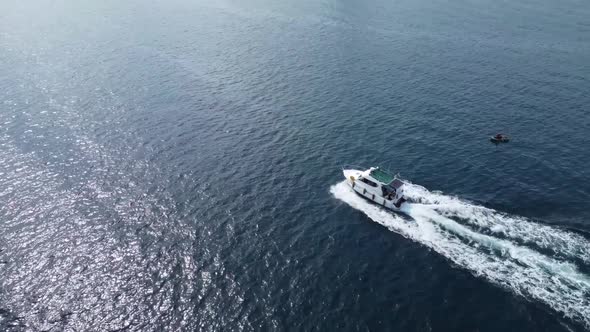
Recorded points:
(382, 176)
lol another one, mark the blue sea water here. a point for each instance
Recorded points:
(175, 165)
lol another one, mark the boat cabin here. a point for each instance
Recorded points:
(377, 185)
(375, 177)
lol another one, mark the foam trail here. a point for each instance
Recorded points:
(524, 271)
(565, 244)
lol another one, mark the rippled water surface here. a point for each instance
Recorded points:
(174, 165)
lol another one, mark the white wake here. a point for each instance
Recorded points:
(555, 281)
(562, 243)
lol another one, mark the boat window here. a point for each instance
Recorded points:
(369, 182)
(389, 189)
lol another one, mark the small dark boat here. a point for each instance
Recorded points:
(499, 138)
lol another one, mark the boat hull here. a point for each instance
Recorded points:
(377, 200)
(499, 140)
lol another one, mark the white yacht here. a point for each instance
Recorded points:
(377, 185)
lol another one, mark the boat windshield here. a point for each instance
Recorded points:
(382, 176)
(396, 183)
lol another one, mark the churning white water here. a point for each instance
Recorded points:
(503, 249)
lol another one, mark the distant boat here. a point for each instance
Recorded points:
(500, 138)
